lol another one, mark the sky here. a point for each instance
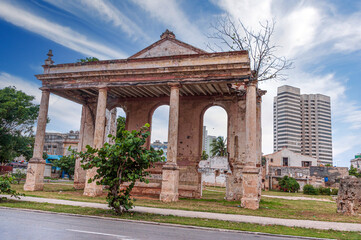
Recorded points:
(323, 39)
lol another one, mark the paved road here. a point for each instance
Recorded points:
(18, 224)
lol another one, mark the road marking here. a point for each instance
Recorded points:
(104, 234)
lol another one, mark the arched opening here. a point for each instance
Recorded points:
(159, 129)
(214, 164)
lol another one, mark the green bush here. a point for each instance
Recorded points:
(310, 190)
(5, 187)
(324, 191)
(18, 175)
(288, 184)
(334, 191)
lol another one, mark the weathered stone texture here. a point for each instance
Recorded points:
(349, 196)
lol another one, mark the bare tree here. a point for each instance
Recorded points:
(265, 63)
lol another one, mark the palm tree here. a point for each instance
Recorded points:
(218, 147)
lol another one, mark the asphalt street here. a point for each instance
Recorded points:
(19, 224)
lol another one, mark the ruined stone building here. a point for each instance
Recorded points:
(356, 162)
(168, 72)
(58, 143)
(302, 123)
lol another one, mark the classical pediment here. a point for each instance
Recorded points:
(168, 45)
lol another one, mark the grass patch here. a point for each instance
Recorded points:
(274, 229)
(213, 201)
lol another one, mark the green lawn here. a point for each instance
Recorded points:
(213, 201)
(274, 229)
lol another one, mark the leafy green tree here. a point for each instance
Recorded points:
(288, 184)
(18, 175)
(66, 164)
(17, 117)
(5, 187)
(353, 172)
(120, 126)
(88, 59)
(124, 161)
(218, 147)
(205, 156)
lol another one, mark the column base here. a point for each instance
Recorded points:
(234, 185)
(170, 182)
(35, 175)
(92, 189)
(251, 188)
(79, 185)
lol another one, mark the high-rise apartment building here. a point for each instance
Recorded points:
(302, 123)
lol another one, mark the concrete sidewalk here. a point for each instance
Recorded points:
(217, 216)
(299, 198)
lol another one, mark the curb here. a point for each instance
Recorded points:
(163, 224)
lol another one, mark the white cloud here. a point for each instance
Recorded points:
(170, 14)
(62, 35)
(104, 11)
(64, 115)
(216, 121)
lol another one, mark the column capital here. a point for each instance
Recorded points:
(175, 85)
(103, 88)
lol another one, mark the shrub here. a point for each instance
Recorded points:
(310, 190)
(334, 191)
(324, 191)
(288, 184)
(5, 187)
(18, 175)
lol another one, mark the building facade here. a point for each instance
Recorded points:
(356, 162)
(59, 143)
(302, 123)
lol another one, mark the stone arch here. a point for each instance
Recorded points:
(204, 110)
(159, 106)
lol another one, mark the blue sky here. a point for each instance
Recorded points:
(322, 37)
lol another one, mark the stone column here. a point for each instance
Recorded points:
(36, 165)
(251, 184)
(170, 172)
(92, 189)
(86, 137)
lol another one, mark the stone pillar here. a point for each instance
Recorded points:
(92, 189)
(170, 171)
(86, 137)
(251, 183)
(36, 165)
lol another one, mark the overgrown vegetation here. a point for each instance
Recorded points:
(18, 114)
(205, 156)
(288, 184)
(311, 190)
(88, 59)
(18, 175)
(5, 187)
(66, 164)
(353, 172)
(125, 161)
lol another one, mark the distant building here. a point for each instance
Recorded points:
(58, 143)
(356, 162)
(157, 145)
(207, 141)
(302, 123)
(288, 158)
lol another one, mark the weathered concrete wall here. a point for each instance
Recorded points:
(305, 175)
(214, 171)
(349, 196)
(333, 174)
